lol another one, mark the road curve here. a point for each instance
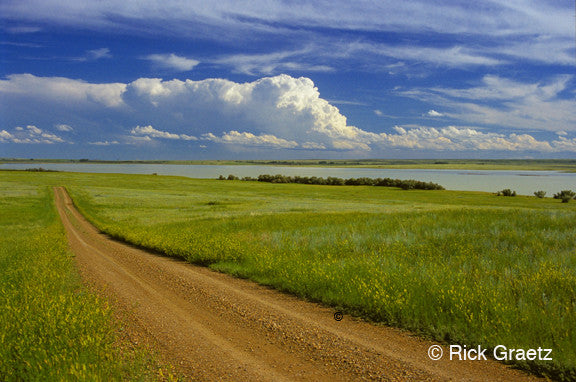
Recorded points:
(211, 326)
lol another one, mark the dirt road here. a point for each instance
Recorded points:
(214, 327)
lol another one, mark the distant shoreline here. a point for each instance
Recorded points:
(564, 165)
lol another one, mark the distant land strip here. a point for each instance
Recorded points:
(565, 165)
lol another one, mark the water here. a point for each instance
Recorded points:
(523, 182)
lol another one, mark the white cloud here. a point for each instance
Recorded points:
(63, 127)
(497, 88)
(30, 134)
(503, 102)
(282, 106)
(34, 130)
(353, 145)
(104, 143)
(542, 49)
(5, 136)
(313, 146)
(60, 89)
(378, 112)
(453, 138)
(152, 132)
(498, 31)
(491, 17)
(172, 61)
(249, 139)
(565, 144)
(434, 113)
(272, 63)
(456, 56)
(280, 112)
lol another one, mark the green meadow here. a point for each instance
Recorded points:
(460, 267)
(52, 328)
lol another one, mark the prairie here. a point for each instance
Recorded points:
(462, 267)
(51, 326)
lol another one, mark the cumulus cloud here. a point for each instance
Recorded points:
(5, 136)
(454, 138)
(172, 61)
(282, 106)
(280, 112)
(29, 134)
(64, 90)
(565, 144)
(249, 139)
(152, 132)
(33, 130)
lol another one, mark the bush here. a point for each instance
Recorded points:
(540, 194)
(506, 192)
(333, 181)
(565, 195)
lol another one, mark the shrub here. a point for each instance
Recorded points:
(565, 195)
(540, 194)
(333, 181)
(506, 192)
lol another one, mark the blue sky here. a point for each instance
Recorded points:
(176, 79)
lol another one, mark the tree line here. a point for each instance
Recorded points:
(409, 184)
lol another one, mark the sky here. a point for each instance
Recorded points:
(265, 79)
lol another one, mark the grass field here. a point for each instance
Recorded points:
(462, 267)
(51, 327)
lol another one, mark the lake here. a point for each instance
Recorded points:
(523, 182)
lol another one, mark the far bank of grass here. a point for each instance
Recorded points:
(565, 165)
(51, 327)
(462, 267)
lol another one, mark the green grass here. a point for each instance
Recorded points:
(461, 267)
(51, 327)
